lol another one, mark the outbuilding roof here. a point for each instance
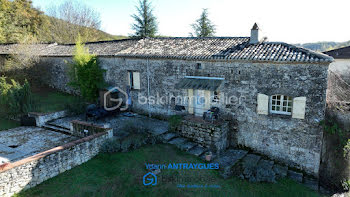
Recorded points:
(211, 48)
(341, 53)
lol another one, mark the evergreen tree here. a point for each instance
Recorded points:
(145, 22)
(203, 26)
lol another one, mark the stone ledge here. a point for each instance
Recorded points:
(8, 166)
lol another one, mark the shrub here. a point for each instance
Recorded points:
(85, 73)
(174, 122)
(111, 146)
(15, 99)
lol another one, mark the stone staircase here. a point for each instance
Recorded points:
(57, 128)
(243, 163)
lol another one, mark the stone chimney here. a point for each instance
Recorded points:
(254, 35)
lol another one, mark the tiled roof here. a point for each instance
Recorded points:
(341, 53)
(234, 48)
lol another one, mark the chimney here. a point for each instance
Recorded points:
(254, 34)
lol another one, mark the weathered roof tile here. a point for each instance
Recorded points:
(235, 48)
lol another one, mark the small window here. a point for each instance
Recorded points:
(199, 66)
(134, 80)
(281, 104)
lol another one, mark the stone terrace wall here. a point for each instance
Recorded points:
(206, 134)
(29, 172)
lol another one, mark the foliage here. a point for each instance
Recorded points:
(346, 149)
(15, 99)
(145, 24)
(111, 146)
(174, 122)
(332, 127)
(19, 20)
(85, 73)
(203, 26)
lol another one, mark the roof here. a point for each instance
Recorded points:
(341, 53)
(204, 83)
(210, 48)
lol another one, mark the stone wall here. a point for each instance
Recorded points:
(31, 171)
(42, 118)
(292, 141)
(206, 134)
(335, 165)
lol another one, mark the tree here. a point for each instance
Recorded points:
(145, 22)
(85, 73)
(203, 26)
(18, 19)
(71, 18)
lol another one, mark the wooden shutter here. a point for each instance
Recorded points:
(263, 104)
(136, 78)
(190, 101)
(207, 99)
(299, 104)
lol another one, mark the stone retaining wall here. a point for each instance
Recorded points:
(213, 136)
(42, 118)
(31, 171)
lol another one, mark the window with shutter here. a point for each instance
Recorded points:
(263, 104)
(299, 104)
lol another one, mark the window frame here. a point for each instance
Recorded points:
(131, 79)
(281, 100)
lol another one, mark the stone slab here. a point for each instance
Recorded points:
(197, 151)
(311, 183)
(228, 159)
(168, 136)
(28, 141)
(249, 164)
(187, 146)
(281, 171)
(296, 176)
(264, 172)
(177, 141)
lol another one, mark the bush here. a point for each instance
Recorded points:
(111, 146)
(15, 99)
(174, 122)
(76, 107)
(85, 73)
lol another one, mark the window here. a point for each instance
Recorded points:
(199, 66)
(281, 104)
(134, 80)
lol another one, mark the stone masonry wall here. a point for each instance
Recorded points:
(206, 134)
(292, 141)
(31, 171)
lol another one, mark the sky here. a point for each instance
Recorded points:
(291, 21)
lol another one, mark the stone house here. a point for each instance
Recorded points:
(273, 94)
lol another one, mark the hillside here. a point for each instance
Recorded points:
(324, 46)
(20, 22)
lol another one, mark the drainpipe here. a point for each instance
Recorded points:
(148, 89)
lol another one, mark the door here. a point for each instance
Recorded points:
(199, 102)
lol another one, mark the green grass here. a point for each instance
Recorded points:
(47, 100)
(8, 124)
(51, 101)
(120, 174)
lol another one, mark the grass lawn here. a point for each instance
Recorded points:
(120, 174)
(8, 124)
(47, 100)
(50, 100)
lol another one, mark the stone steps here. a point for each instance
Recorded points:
(57, 129)
(242, 163)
